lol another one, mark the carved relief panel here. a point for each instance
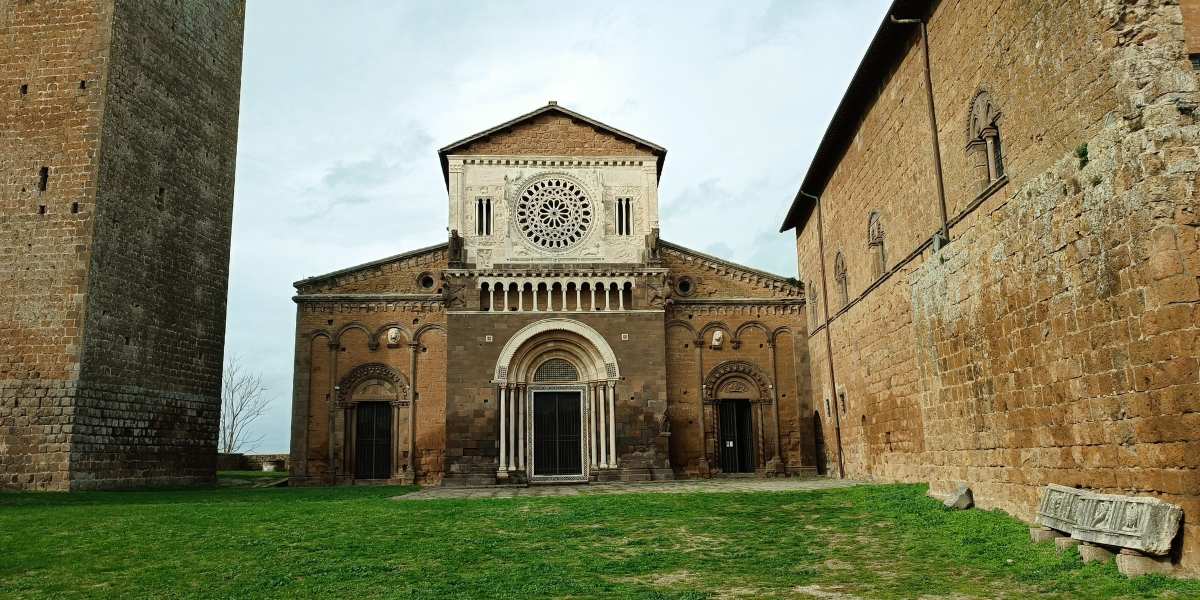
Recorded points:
(551, 210)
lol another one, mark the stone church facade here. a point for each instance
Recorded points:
(553, 338)
(1055, 339)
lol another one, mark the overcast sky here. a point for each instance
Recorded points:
(344, 105)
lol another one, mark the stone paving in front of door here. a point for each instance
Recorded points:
(719, 485)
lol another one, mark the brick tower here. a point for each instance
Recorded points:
(118, 133)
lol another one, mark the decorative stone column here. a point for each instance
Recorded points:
(593, 436)
(502, 472)
(603, 427)
(521, 430)
(612, 423)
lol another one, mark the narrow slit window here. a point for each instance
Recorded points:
(624, 216)
(483, 216)
(43, 178)
(159, 199)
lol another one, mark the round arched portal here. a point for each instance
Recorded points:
(370, 397)
(557, 386)
(737, 390)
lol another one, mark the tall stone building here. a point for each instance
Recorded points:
(553, 338)
(118, 131)
(1055, 336)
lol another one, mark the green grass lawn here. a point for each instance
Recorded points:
(353, 542)
(249, 478)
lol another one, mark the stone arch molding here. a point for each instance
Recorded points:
(367, 372)
(735, 370)
(549, 326)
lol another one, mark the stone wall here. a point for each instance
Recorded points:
(472, 417)
(554, 135)
(761, 318)
(50, 120)
(113, 316)
(1055, 339)
(335, 337)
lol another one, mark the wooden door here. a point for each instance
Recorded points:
(373, 440)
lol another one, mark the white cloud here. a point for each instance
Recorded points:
(345, 104)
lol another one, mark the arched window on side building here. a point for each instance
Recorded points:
(984, 149)
(840, 277)
(875, 245)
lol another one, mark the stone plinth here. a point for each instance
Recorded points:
(1038, 535)
(1132, 563)
(1093, 553)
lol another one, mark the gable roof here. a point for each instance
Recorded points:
(368, 265)
(764, 277)
(551, 107)
(886, 51)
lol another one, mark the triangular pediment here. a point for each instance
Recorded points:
(553, 131)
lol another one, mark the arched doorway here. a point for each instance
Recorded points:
(557, 387)
(737, 391)
(371, 397)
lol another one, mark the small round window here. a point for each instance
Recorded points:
(425, 281)
(685, 286)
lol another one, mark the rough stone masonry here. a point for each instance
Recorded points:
(118, 131)
(1056, 338)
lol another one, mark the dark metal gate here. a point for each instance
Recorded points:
(373, 440)
(737, 437)
(557, 448)
(819, 441)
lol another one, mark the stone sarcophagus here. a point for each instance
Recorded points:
(1145, 524)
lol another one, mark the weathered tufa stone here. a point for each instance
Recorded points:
(961, 499)
(1145, 524)
(1062, 543)
(1038, 535)
(1132, 563)
(1093, 553)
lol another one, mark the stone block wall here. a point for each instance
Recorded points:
(472, 416)
(1055, 339)
(766, 336)
(50, 121)
(117, 190)
(335, 337)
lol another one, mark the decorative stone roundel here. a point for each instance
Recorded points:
(554, 213)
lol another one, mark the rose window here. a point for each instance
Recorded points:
(554, 213)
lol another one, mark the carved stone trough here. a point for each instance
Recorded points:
(1145, 524)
